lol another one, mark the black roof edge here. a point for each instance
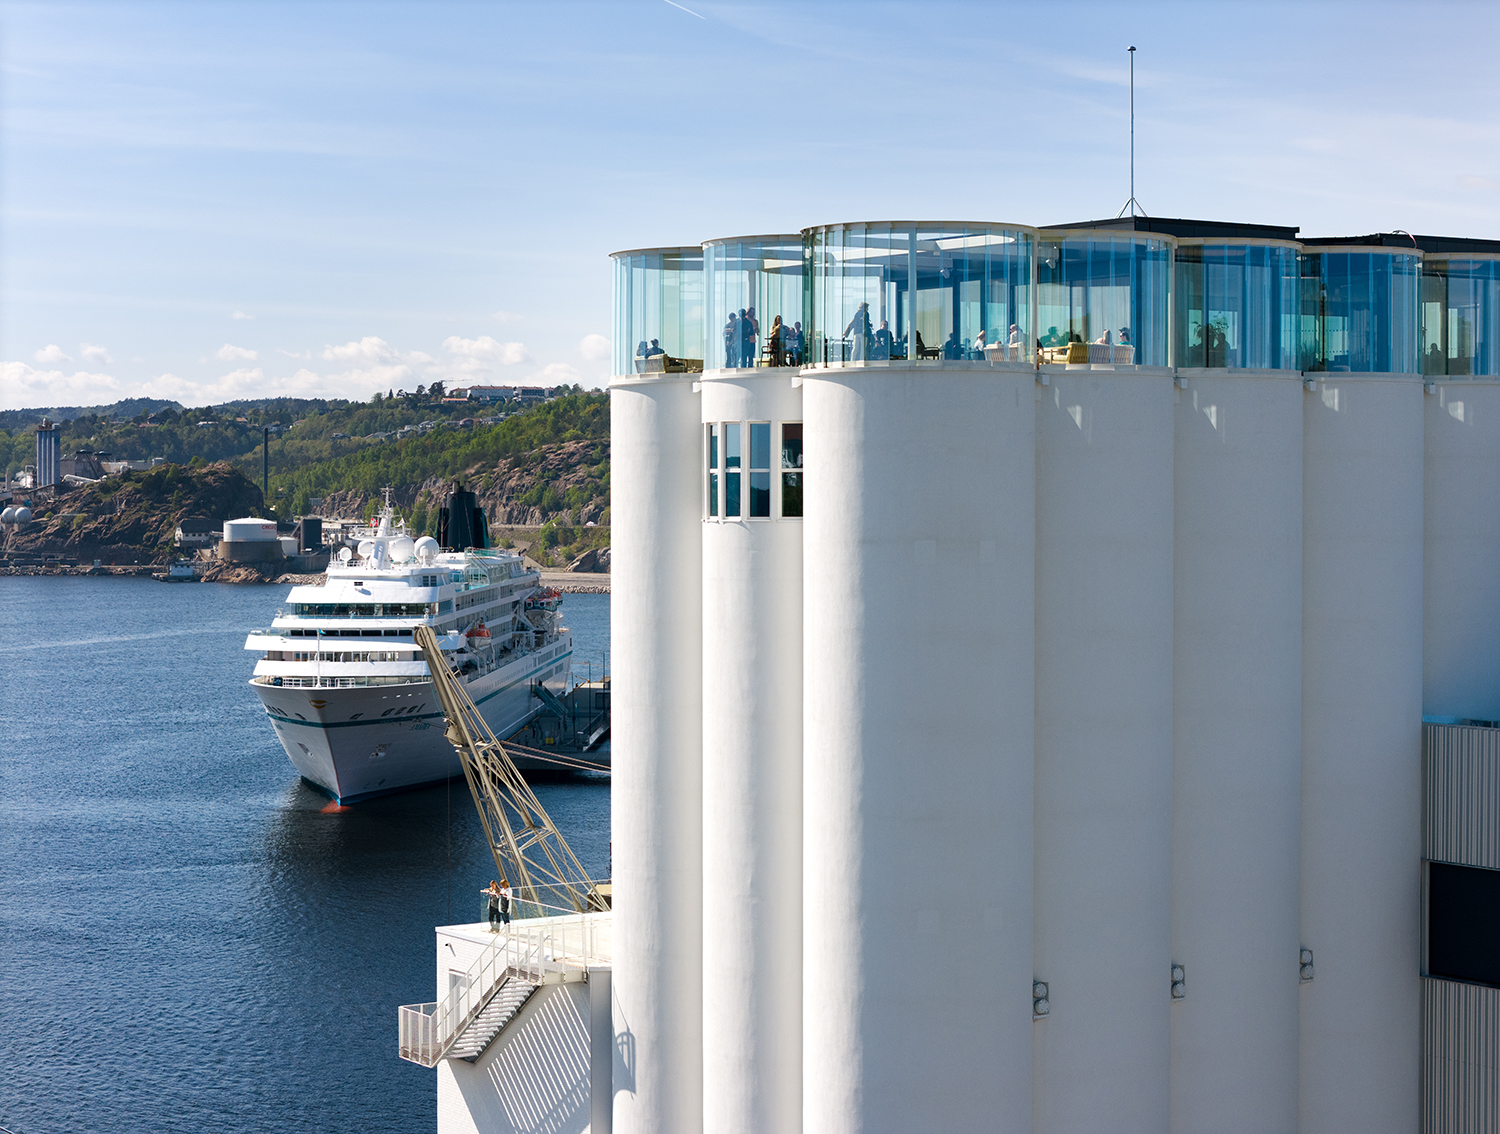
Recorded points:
(1176, 226)
(1431, 244)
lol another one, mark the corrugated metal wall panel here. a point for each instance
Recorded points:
(1461, 1058)
(1461, 789)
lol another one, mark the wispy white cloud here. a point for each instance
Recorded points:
(22, 385)
(1470, 181)
(51, 353)
(241, 315)
(486, 349)
(593, 347)
(368, 351)
(95, 354)
(230, 353)
(556, 374)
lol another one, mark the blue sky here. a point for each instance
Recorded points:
(204, 201)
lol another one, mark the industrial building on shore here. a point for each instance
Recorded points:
(1056, 689)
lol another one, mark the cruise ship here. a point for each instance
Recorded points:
(346, 688)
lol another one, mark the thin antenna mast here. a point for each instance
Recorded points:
(1132, 204)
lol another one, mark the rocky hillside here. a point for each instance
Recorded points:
(565, 483)
(132, 518)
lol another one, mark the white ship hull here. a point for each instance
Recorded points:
(358, 742)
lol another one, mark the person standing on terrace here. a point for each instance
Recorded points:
(859, 327)
(732, 341)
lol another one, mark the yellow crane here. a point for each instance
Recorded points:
(528, 848)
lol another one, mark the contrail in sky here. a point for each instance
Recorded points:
(689, 11)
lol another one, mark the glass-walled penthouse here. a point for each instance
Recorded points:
(918, 291)
(1235, 305)
(658, 321)
(1360, 310)
(1102, 297)
(754, 288)
(1461, 315)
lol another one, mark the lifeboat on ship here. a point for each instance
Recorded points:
(478, 634)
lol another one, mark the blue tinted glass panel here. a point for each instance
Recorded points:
(713, 494)
(1361, 311)
(754, 289)
(731, 494)
(760, 445)
(731, 445)
(1103, 299)
(760, 494)
(1236, 306)
(919, 292)
(1461, 317)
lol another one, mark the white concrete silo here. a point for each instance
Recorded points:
(919, 554)
(1461, 568)
(656, 793)
(1237, 657)
(656, 630)
(1361, 752)
(1103, 748)
(752, 769)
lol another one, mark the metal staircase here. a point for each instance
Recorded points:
(549, 698)
(490, 1020)
(498, 983)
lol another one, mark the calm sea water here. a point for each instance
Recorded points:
(187, 941)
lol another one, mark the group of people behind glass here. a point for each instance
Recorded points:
(742, 339)
(1056, 338)
(879, 344)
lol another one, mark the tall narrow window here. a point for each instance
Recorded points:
(791, 468)
(713, 469)
(760, 468)
(732, 466)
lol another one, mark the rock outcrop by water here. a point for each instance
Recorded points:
(132, 518)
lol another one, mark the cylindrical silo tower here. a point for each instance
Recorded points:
(1461, 569)
(751, 508)
(656, 628)
(919, 551)
(1237, 693)
(1103, 684)
(1361, 687)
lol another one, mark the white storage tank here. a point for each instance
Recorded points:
(1461, 570)
(249, 530)
(1362, 695)
(752, 752)
(1237, 645)
(1104, 749)
(1237, 661)
(918, 748)
(656, 625)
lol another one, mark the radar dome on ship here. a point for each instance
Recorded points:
(401, 549)
(426, 549)
(366, 548)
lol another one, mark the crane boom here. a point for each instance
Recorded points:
(526, 844)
